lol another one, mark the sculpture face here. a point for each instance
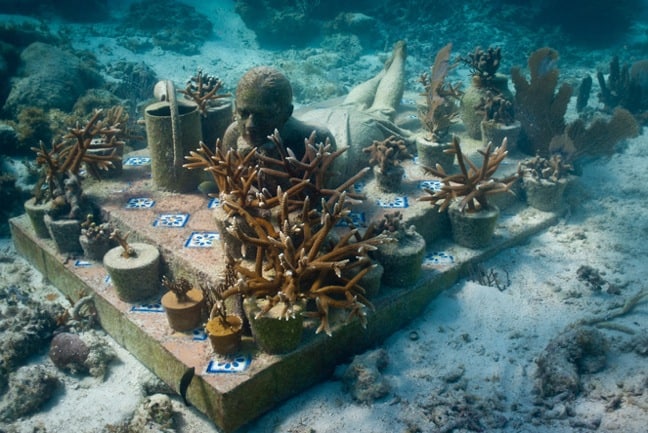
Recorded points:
(263, 103)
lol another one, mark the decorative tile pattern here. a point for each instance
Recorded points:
(214, 202)
(172, 220)
(137, 161)
(153, 307)
(395, 203)
(198, 334)
(202, 239)
(82, 264)
(357, 218)
(234, 364)
(140, 203)
(438, 259)
(434, 185)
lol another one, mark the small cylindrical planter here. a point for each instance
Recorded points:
(472, 97)
(431, 153)
(225, 338)
(473, 229)
(390, 179)
(184, 315)
(167, 152)
(271, 333)
(95, 248)
(492, 132)
(215, 121)
(36, 214)
(135, 278)
(65, 234)
(543, 194)
(402, 258)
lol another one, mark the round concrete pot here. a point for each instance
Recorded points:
(135, 278)
(473, 229)
(95, 248)
(65, 234)
(431, 153)
(543, 194)
(472, 97)
(390, 179)
(186, 314)
(493, 132)
(402, 258)
(225, 338)
(273, 334)
(36, 214)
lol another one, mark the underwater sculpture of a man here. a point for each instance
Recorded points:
(264, 102)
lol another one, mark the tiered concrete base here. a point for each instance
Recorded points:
(234, 391)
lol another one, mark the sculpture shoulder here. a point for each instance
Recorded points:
(296, 130)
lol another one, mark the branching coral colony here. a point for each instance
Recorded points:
(297, 257)
(203, 90)
(62, 162)
(472, 184)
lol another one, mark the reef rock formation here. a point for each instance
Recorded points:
(52, 78)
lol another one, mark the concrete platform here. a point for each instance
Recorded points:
(234, 391)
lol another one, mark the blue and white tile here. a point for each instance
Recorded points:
(393, 203)
(438, 259)
(233, 364)
(213, 202)
(152, 307)
(171, 220)
(137, 161)
(140, 203)
(202, 239)
(433, 185)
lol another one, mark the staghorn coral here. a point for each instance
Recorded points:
(203, 90)
(61, 164)
(538, 107)
(298, 259)
(472, 184)
(387, 153)
(441, 98)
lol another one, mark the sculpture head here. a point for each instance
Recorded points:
(263, 103)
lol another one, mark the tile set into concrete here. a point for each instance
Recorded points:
(233, 391)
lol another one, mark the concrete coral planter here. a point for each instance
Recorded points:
(184, 315)
(401, 259)
(134, 278)
(225, 338)
(65, 234)
(94, 249)
(431, 153)
(473, 229)
(543, 194)
(493, 132)
(273, 334)
(36, 213)
(389, 180)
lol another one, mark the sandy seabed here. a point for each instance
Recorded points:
(469, 362)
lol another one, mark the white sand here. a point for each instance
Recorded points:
(474, 359)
